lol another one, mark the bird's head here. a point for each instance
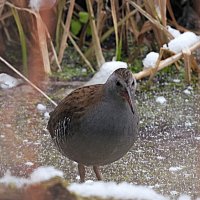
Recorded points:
(121, 84)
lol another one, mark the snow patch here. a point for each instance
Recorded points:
(161, 100)
(184, 197)
(117, 191)
(44, 173)
(183, 41)
(46, 115)
(150, 60)
(41, 107)
(186, 91)
(40, 174)
(175, 33)
(7, 81)
(41, 4)
(176, 80)
(29, 163)
(175, 169)
(105, 71)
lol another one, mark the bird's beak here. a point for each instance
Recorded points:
(127, 95)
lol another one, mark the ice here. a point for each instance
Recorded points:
(150, 60)
(7, 81)
(41, 107)
(117, 191)
(161, 100)
(183, 41)
(105, 71)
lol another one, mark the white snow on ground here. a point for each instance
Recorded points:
(178, 44)
(96, 189)
(7, 81)
(186, 91)
(46, 115)
(41, 4)
(184, 197)
(44, 173)
(105, 71)
(183, 41)
(176, 168)
(175, 33)
(40, 174)
(35, 4)
(161, 100)
(150, 60)
(29, 163)
(41, 107)
(117, 191)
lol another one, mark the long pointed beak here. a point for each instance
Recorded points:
(127, 96)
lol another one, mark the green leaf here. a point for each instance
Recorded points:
(75, 26)
(88, 31)
(83, 17)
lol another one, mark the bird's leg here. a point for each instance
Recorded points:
(81, 170)
(97, 172)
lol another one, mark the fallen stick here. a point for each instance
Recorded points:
(164, 63)
(28, 81)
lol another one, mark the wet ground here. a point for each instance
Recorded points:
(165, 157)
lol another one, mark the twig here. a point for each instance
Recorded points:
(155, 69)
(66, 31)
(80, 52)
(95, 38)
(28, 81)
(114, 16)
(152, 20)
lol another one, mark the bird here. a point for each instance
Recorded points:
(96, 125)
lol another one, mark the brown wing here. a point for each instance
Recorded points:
(75, 104)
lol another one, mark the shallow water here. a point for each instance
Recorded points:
(165, 157)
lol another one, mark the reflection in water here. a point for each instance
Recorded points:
(165, 157)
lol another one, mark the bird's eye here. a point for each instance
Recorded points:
(118, 84)
(133, 83)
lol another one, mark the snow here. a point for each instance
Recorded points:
(40, 174)
(29, 163)
(105, 71)
(41, 107)
(44, 173)
(183, 41)
(184, 197)
(175, 33)
(7, 81)
(176, 80)
(46, 115)
(113, 190)
(178, 44)
(150, 60)
(41, 4)
(187, 91)
(161, 100)
(175, 169)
